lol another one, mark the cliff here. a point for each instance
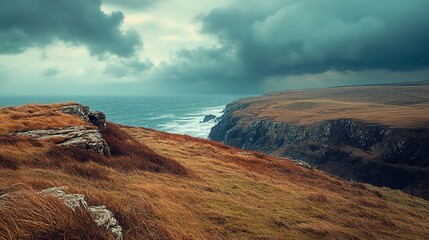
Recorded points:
(155, 185)
(372, 134)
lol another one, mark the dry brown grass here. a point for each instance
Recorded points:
(397, 106)
(127, 155)
(88, 170)
(257, 196)
(27, 215)
(36, 116)
(165, 186)
(130, 154)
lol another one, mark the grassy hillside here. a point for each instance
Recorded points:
(394, 106)
(165, 186)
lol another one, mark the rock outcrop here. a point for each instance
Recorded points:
(77, 110)
(76, 136)
(85, 137)
(72, 201)
(100, 214)
(352, 149)
(209, 117)
(105, 218)
(96, 118)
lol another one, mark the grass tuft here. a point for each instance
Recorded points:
(28, 215)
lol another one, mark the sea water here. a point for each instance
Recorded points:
(174, 114)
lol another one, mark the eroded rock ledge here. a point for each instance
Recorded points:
(85, 137)
(96, 118)
(76, 136)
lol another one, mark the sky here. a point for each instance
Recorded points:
(164, 47)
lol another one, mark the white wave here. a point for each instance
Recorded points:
(191, 123)
(164, 116)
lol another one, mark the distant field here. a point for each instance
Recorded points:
(395, 106)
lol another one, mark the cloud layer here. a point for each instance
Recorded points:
(272, 38)
(240, 46)
(37, 23)
(132, 4)
(307, 36)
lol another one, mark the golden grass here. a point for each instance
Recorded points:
(257, 196)
(28, 215)
(30, 117)
(396, 106)
(128, 155)
(201, 190)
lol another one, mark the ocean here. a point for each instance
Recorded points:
(178, 114)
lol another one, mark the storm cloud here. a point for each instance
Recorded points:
(225, 46)
(127, 67)
(212, 70)
(309, 36)
(132, 4)
(272, 38)
(37, 23)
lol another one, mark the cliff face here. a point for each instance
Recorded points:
(350, 148)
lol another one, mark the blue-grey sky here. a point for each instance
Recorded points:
(120, 47)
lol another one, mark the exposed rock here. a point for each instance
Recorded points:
(103, 217)
(98, 119)
(76, 136)
(77, 110)
(73, 201)
(94, 117)
(354, 150)
(209, 117)
(100, 214)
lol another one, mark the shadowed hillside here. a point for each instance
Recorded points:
(166, 186)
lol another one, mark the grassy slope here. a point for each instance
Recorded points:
(30, 117)
(170, 186)
(395, 106)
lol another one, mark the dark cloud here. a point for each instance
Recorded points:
(295, 37)
(132, 4)
(209, 70)
(128, 67)
(260, 40)
(137, 65)
(37, 23)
